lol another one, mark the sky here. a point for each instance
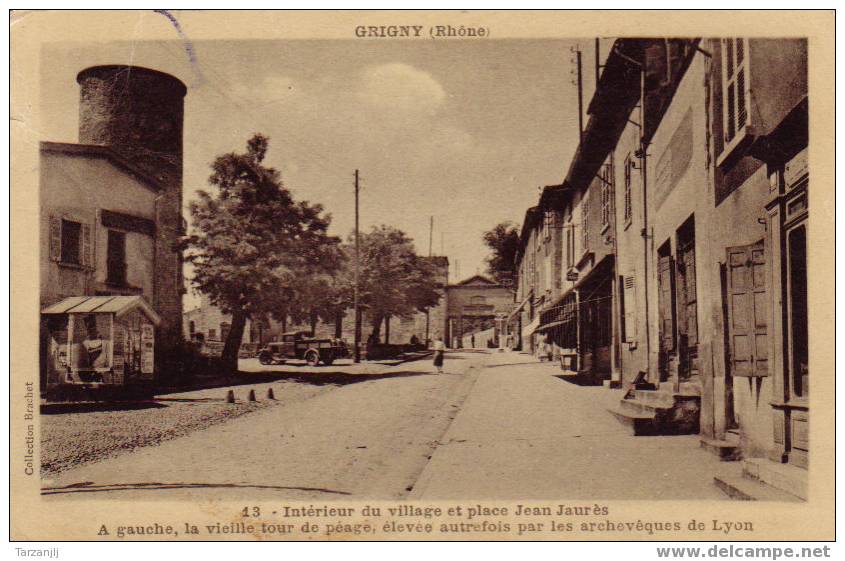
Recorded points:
(466, 132)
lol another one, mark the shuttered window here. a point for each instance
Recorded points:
(71, 242)
(629, 310)
(585, 230)
(627, 177)
(735, 92)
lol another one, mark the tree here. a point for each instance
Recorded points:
(503, 241)
(394, 281)
(251, 242)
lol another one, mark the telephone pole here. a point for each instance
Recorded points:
(427, 314)
(580, 102)
(357, 266)
(430, 234)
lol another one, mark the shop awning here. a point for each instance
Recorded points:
(117, 305)
(529, 329)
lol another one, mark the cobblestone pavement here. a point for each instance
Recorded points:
(73, 435)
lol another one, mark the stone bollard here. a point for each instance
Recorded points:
(251, 395)
(270, 394)
(230, 396)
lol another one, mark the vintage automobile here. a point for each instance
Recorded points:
(303, 346)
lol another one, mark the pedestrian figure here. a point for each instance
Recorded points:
(547, 348)
(472, 341)
(439, 352)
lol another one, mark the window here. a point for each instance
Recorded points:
(224, 331)
(627, 211)
(735, 91)
(628, 309)
(192, 328)
(585, 231)
(799, 348)
(116, 258)
(478, 300)
(606, 177)
(212, 333)
(71, 242)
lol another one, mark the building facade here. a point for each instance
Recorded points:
(473, 306)
(110, 205)
(684, 232)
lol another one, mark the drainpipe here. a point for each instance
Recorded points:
(645, 234)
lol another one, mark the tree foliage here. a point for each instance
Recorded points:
(394, 281)
(503, 242)
(252, 245)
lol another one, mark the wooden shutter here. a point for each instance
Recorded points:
(747, 311)
(761, 310)
(688, 313)
(86, 247)
(630, 299)
(55, 238)
(666, 302)
(734, 87)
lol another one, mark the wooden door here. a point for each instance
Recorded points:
(687, 311)
(747, 311)
(666, 302)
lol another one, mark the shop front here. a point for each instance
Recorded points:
(559, 326)
(595, 321)
(787, 217)
(98, 347)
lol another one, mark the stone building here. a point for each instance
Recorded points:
(110, 205)
(473, 305)
(697, 152)
(208, 323)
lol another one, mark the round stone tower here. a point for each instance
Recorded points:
(139, 113)
(136, 111)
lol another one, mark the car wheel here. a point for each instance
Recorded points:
(265, 359)
(312, 357)
(328, 360)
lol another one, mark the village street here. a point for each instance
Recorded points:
(493, 426)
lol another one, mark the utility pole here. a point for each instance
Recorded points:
(427, 313)
(357, 266)
(430, 234)
(580, 101)
(598, 62)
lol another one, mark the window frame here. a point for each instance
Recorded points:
(725, 82)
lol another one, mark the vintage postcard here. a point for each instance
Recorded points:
(422, 275)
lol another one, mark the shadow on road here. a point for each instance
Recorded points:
(579, 380)
(97, 406)
(321, 378)
(516, 364)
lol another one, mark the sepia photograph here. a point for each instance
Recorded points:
(425, 275)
